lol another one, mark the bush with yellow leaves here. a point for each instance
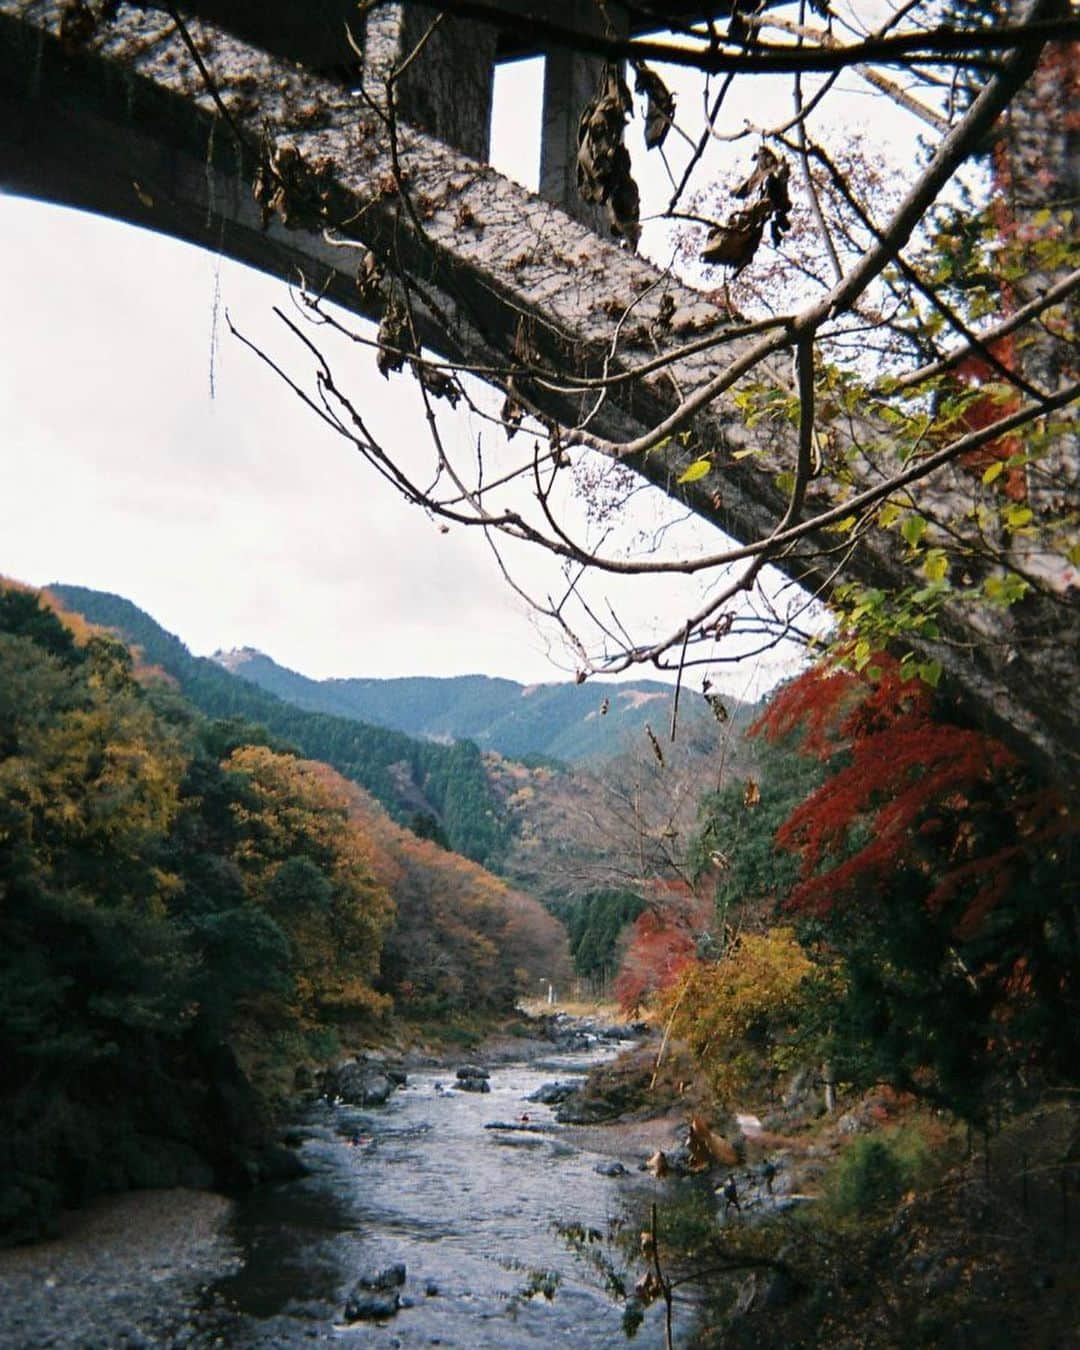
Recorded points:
(741, 1016)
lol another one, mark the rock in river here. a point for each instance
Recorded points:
(610, 1169)
(374, 1295)
(470, 1078)
(365, 1306)
(358, 1083)
(553, 1094)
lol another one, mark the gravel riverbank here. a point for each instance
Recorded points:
(126, 1272)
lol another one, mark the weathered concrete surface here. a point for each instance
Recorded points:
(122, 125)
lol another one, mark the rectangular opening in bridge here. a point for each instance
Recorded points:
(516, 119)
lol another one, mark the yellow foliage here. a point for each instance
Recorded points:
(334, 909)
(735, 1015)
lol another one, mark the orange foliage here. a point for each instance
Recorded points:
(462, 937)
(973, 372)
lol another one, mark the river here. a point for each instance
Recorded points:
(470, 1211)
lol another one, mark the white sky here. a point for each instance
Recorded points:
(238, 520)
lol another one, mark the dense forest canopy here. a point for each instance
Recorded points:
(178, 895)
(411, 778)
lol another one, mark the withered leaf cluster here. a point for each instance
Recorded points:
(397, 345)
(659, 105)
(302, 194)
(395, 338)
(437, 382)
(518, 385)
(734, 243)
(369, 277)
(603, 161)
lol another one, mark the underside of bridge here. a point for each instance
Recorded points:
(121, 122)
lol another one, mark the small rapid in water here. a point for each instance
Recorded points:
(470, 1211)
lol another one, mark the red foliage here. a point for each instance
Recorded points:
(923, 793)
(809, 705)
(973, 371)
(663, 941)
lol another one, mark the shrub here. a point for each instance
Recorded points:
(875, 1171)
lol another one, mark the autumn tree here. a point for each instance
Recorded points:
(312, 871)
(664, 939)
(944, 875)
(745, 1017)
(461, 941)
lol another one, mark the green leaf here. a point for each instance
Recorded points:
(993, 471)
(913, 529)
(931, 672)
(888, 515)
(842, 526)
(1016, 517)
(936, 566)
(742, 454)
(785, 481)
(699, 469)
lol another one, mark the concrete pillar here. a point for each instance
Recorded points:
(447, 90)
(570, 80)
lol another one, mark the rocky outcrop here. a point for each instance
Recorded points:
(611, 1090)
(553, 1094)
(364, 1081)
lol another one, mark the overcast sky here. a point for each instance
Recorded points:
(237, 519)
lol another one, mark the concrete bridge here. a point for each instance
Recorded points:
(116, 117)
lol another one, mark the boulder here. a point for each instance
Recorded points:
(610, 1169)
(364, 1306)
(382, 1277)
(376, 1090)
(553, 1094)
(358, 1083)
(473, 1085)
(471, 1078)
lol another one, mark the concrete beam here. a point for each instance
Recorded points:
(570, 81)
(123, 125)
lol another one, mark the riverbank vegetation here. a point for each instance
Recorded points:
(186, 909)
(869, 990)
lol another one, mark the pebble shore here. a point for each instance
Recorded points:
(127, 1272)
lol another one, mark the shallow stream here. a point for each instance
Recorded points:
(470, 1211)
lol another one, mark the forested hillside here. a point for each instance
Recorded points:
(598, 843)
(441, 791)
(181, 901)
(562, 721)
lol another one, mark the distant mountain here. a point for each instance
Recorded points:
(439, 790)
(562, 721)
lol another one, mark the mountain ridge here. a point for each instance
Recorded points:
(439, 790)
(559, 720)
